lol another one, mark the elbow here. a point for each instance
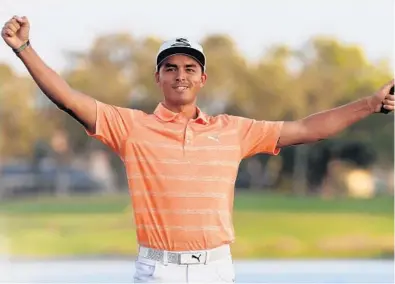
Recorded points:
(63, 107)
(317, 136)
(66, 109)
(310, 140)
(315, 140)
(65, 104)
(311, 134)
(302, 132)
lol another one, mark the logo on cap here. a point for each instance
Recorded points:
(181, 42)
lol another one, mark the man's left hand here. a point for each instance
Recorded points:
(383, 98)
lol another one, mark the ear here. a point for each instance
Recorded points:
(203, 80)
(157, 77)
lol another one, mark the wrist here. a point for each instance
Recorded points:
(371, 104)
(21, 48)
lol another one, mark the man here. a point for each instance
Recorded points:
(181, 163)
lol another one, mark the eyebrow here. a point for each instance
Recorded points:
(170, 65)
(191, 65)
(167, 65)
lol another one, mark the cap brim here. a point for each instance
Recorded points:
(191, 52)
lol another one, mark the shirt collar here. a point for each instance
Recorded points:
(165, 114)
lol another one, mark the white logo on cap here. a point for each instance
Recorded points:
(181, 42)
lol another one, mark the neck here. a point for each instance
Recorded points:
(189, 111)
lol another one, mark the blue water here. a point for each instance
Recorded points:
(267, 271)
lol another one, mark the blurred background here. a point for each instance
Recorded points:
(64, 195)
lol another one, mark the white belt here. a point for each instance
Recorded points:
(187, 257)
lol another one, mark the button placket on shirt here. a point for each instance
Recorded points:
(188, 137)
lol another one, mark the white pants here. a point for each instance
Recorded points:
(152, 271)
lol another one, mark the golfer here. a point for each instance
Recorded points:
(182, 163)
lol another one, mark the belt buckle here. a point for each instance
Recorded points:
(192, 258)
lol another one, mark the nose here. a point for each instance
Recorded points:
(181, 75)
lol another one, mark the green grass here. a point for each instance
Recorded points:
(243, 201)
(267, 226)
(67, 205)
(280, 203)
(318, 235)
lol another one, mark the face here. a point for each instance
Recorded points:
(180, 78)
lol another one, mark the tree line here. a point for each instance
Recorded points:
(283, 84)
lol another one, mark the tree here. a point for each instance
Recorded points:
(104, 72)
(20, 124)
(331, 73)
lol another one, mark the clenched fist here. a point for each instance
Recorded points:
(16, 32)
(384, 98)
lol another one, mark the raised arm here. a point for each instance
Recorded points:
(325, 124)
(81, 107)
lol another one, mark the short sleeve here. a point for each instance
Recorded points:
(259, 136)
(113, 125)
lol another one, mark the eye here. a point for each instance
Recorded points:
(191, 70)
(170, 69)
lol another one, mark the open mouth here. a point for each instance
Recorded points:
(180, 88)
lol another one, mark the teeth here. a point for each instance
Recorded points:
(181, 88)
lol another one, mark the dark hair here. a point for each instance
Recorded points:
(161, 64)
(191, 52)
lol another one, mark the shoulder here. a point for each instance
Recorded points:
(120, 110)
(228, 119)
(223, 118)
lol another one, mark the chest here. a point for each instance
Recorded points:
(190, 140)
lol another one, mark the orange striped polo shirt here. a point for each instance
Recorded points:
(181, 173)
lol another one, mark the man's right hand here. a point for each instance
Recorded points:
(16, 32)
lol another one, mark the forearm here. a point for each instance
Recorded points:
(328, 123)
(324, 124)
(50, 83)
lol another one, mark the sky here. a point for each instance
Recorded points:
(58, 26)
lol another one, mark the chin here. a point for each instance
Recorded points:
(182, 100)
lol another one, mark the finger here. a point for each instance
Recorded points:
(388, 103)
(8, 32)
(16, 18)
(388, 107)
(12, 27)
(387, 87)
(15, 23)
(390, 97)
(23, 21)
